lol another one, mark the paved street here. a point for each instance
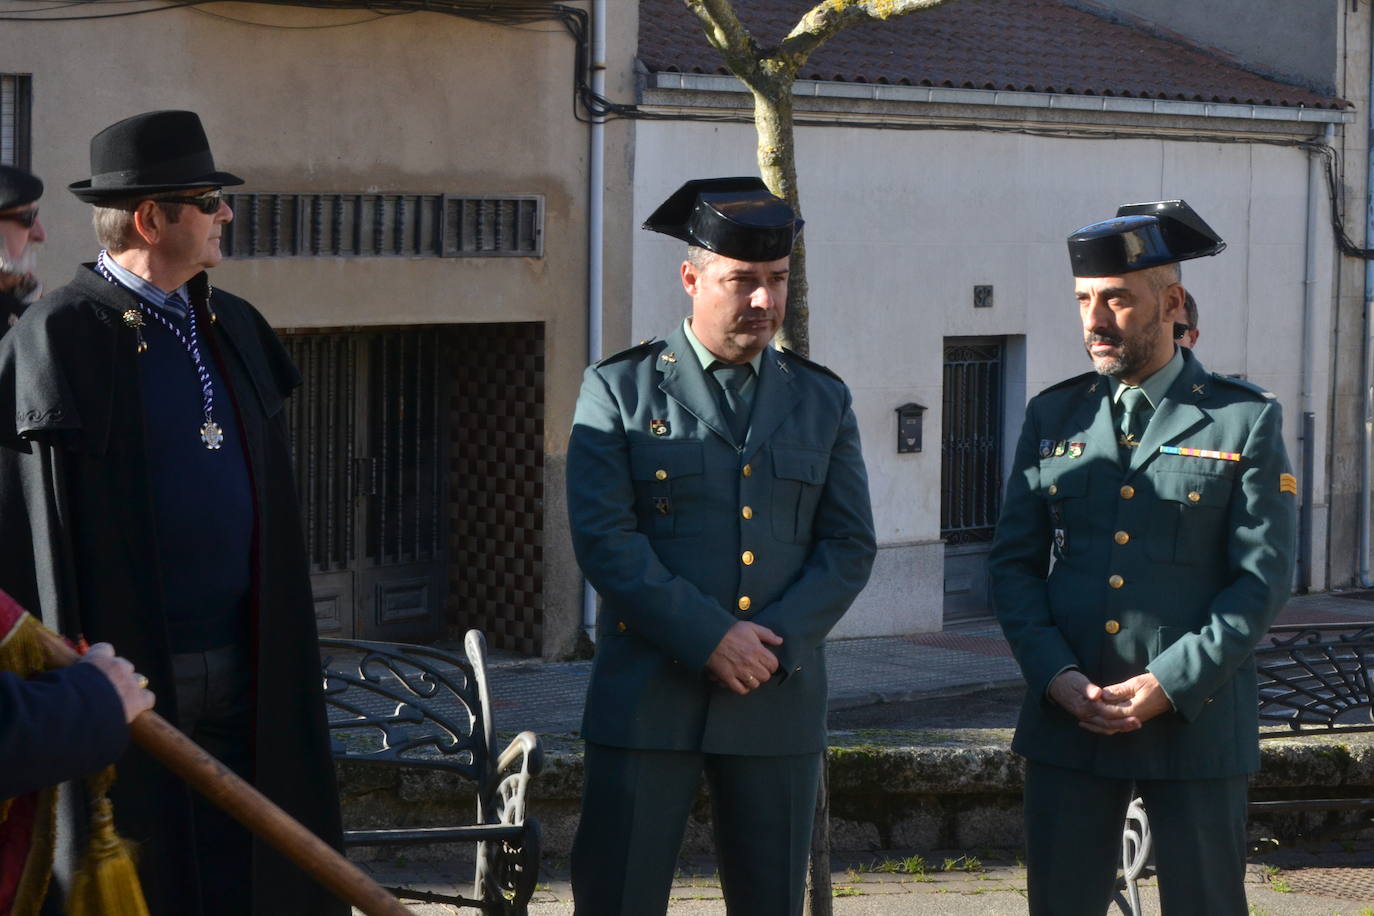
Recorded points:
(950, 884)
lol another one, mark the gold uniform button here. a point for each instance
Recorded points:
(746, 512)
(1054, 488)
(620, 625)
(747, 558)
(1194, 496)
(1112, 627)
(744, 602)
(1122, 537)
(1127, 491)
(747, 470)
(1116, 581)
(661, 474)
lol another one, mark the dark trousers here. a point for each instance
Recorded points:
(214, 692)
(635, 806)
(1073, 841)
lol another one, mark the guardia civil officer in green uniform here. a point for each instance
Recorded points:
(719, 506)
(1162, 494)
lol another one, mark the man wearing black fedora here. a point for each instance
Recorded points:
(146, 460)
(21, 232)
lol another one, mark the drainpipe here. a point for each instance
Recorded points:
(1308, 417)
(596, 205)
(1367, 376)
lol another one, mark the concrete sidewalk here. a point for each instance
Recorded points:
(546, 697)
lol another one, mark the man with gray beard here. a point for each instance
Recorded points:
(20, 234)
(1145, 545)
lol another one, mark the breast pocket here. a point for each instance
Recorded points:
(1188, 516)
(669, 488)
(798, 475)
(1066, 497)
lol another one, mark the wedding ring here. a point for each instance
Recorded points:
(143, 682)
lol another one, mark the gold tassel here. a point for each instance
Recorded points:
(106, 884)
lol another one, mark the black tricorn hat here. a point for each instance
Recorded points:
(736, 217)
(1142, 236)
(18, 187)
(151, 152)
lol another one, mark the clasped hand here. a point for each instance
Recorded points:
(1110, 710)
(742, 660)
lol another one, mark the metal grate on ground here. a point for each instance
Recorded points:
(1340, 883)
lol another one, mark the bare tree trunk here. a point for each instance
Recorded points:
(820, 898)
(778, 167)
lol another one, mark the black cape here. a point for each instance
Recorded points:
(74, 485)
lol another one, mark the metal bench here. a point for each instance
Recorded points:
(1313, 679)
(393, 704)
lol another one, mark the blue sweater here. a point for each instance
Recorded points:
(202, 498)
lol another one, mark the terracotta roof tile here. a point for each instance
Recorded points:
(1024, 45)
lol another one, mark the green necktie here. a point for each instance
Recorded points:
(1134, 407)
(731, 379)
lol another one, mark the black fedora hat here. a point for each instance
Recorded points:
(151, 152)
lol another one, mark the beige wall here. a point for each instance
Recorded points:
(417, 103)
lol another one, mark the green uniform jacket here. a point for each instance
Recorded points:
(683, 533)
(1176, 565)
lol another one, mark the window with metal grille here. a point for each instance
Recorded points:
(325, 225)
(15, 104)
(971, 441)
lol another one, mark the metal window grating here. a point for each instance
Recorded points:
(324, 225)
(971, 442)
(15, 95)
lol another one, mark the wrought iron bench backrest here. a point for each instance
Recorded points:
(404, 704)
(1316, 678)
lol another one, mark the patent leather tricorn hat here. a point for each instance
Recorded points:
(148, 153)
(735, 217)
(1141, 236)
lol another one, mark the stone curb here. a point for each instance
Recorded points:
(917, 790)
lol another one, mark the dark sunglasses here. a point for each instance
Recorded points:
(205, 203)
(25, 219)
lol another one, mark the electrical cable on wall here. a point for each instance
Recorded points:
(589, 106)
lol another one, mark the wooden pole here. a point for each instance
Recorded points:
(250, 807)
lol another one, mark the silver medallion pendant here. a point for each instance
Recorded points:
(211, 435)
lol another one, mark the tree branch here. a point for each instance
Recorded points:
(728, 35)
(831, 16)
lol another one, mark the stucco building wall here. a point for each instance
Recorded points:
(301, 100)
(902, 224)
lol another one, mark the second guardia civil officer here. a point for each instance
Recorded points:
(1163, 494)
(719, 505)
